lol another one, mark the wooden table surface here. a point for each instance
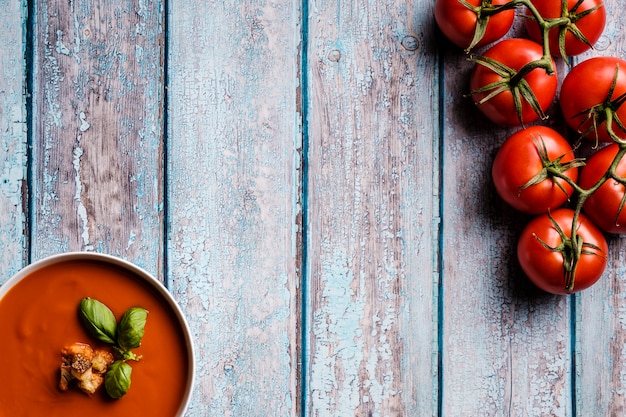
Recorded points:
(312, 186)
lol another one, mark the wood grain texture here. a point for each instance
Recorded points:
(324, 216)
(97, 106)
(234, 144)
(13, 139)
(372, 210)
(601, 310)
(506, 347)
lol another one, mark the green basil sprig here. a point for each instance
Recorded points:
(131, 328)
(126, 335)
(99, 320)
(117, 379)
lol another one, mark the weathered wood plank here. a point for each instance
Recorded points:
(234, 145)
(13, 139)
(97, 151)
(506, 346)
(233, 205)
(601, 319)
(372, 207)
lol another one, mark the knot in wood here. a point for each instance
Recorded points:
(410, 43)
(334, 55)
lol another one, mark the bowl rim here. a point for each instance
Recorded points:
(135, 270)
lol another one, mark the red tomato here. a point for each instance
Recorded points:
(585, 88)
(526, 154)
(514, 54)
(603, 206)
(546, 267)
(458, 23)
(590, 25)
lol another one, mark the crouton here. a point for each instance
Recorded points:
(80, 363)
(89, 381)
(101, 361)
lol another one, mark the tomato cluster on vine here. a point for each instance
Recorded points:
(575, 201)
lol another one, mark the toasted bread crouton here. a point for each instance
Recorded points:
(90, 381)
(101, 361)
(66, 377)
(78, 356)
(82, 364)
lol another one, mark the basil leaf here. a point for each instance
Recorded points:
(98, 319)
(117, 379)
(131, 328)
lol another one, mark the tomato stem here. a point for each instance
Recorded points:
(515, 81)
(553, 169)
(570, 260)
(483, 12)
(604, 112)
(572, 247)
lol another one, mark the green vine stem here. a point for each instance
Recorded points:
(513, 81)
(555, 170)
(572, 247)
(567, 21)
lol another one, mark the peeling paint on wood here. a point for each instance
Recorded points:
(234, 158)
(97, 151)
(601, 311)
(320, 204)
(372, 248)
(13, 139)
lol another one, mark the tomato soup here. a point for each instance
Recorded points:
(39, 316)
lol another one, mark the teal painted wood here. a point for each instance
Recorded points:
(372, 210)
(506, 347)
(601, 319)
(382, 307)
(97, 172)
(234, 175)
(13, 140)
(517, 351)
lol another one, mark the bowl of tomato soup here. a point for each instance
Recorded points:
(39, 317)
